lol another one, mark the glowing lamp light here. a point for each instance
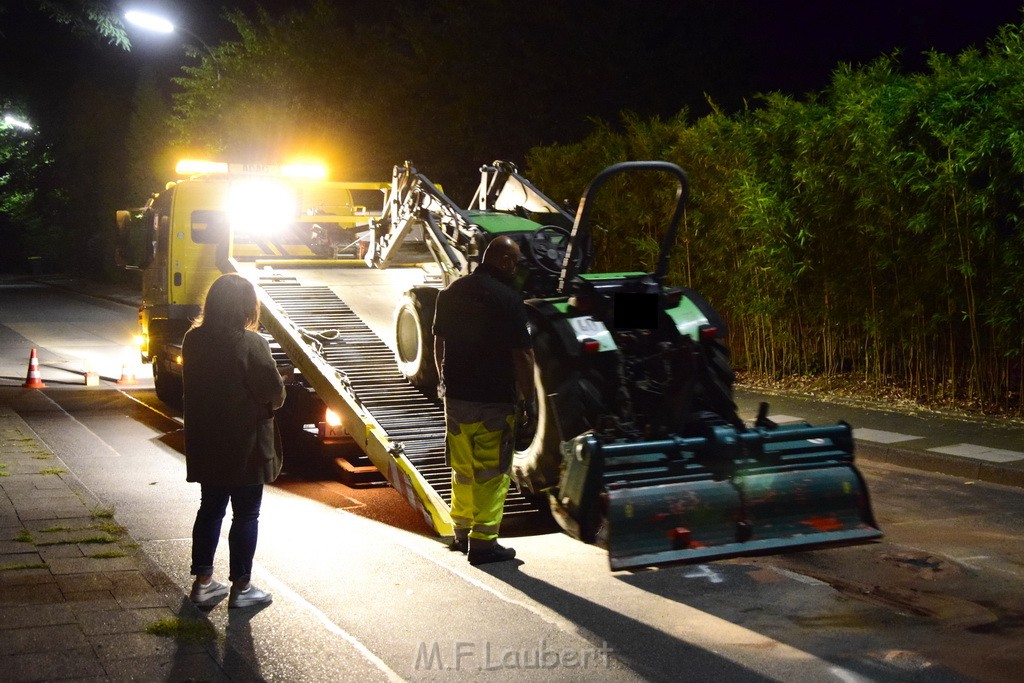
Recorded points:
(332, 418)
(15, 122)
(260, 207)
(150, 22)
(194, 166)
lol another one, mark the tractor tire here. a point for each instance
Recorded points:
(168, 386)
(536, 468)
(716, 393)
(414, 338)
(721, 367)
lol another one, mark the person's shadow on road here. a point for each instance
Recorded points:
(241, 661)
(654, 654)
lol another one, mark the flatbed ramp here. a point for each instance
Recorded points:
(401, 429)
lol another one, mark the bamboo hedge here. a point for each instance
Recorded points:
(871, 230)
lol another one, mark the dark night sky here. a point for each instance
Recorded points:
(729, 49)
(741, 46)
(655, 57)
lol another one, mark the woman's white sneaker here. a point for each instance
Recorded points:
(249, 597)
(206, 594)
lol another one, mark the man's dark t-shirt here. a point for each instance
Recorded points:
(481, 320)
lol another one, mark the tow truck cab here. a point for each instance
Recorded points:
(180, 239)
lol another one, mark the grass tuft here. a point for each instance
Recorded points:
(190, 630)
(24, 536)
(111, 527)
(52, 470)
(86, 539)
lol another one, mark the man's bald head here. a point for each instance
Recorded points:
(502, 253)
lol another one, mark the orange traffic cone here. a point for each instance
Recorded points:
(33, 380)
(92, 378)
(127, 371)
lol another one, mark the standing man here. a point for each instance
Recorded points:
(485, 362)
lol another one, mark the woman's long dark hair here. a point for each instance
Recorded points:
(230, 303)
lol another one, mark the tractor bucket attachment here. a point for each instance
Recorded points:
(728, 493)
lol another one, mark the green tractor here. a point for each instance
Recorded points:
(637, 444)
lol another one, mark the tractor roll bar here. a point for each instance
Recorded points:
(583, 212)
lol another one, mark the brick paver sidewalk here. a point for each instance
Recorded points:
(78, 600)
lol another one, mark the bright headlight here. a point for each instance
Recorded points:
(260, 207)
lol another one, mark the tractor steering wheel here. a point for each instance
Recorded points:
(548, 245)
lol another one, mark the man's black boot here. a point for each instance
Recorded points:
(484, 552)
(460, 543)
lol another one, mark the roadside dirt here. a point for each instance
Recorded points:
(947, 573)
(855, 390)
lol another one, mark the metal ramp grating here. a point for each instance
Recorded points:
(407, 415)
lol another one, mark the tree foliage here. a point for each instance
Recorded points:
(87, 18)
(59, 181)
(25, 161)
(873, 229)
(448, 84)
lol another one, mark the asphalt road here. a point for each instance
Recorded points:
(363, 591)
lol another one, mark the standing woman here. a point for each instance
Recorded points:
(232, 388)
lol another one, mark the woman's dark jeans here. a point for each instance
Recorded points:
(245, 516)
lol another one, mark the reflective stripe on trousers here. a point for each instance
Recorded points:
(479, 449)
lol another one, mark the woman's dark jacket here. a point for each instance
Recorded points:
(232, 388)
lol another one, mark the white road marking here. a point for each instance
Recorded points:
(968, 450)
(109, 449)
(969, 561)
(281, 587)
(278, 585)
(703, 571)
(809, 580)
(400, 540)
(963, 450)
(847, 676)
(156, 410)
(881, 436)
(782, 419)
(702, 629)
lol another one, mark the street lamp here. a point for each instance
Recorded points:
(158, 24)
(148, 21)
(14, 122)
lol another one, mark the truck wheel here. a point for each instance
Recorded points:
(414, 340)
(168, 386)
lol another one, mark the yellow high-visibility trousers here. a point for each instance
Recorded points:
(479, 448)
